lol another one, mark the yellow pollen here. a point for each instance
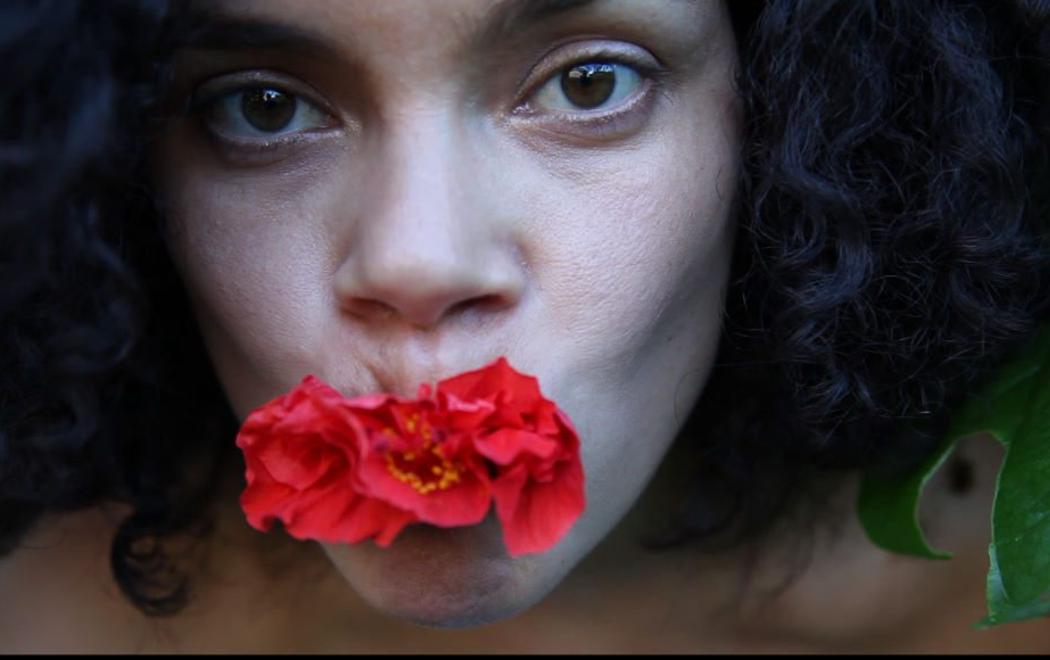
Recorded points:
(447, 473)
(411, 422)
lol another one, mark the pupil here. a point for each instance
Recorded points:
(268, 109)
(589, 85)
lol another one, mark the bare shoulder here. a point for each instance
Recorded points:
(59, 595)
(855, 596)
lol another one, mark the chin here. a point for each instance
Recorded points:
(445, 578)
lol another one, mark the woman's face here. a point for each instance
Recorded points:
(384, 193)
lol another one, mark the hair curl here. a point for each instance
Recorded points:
(891, 251)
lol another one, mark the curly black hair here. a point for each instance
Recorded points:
(891, 251)
(105, 390)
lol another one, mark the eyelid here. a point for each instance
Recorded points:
(644, 62)
(220, 86)
(251, 151)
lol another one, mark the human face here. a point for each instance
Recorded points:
(421, 194)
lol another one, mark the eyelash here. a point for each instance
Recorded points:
(211, 96)
(594, 122)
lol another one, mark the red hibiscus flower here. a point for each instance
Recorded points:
(538, 487)
(300, 460)
(338, 469)
(410, 460)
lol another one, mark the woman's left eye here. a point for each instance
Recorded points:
(262, 112)
(589, 86)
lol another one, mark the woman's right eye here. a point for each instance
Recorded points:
(262, 113)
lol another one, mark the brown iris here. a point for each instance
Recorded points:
(589, 85)
(268, 109)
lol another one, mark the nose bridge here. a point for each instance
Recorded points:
(423, 245)
(416, 179)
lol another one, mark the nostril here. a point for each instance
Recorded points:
(425, 291)
(371, 309)
(466, 305)
(486, 303)
(377, 310)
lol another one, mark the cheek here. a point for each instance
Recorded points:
(252, 250)
(635, 284)
(645, 248)
(636, 257)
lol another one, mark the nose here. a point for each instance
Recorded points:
(429, 245)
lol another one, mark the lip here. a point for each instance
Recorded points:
(434, 576)
(405, 383)
(404, 378)
(482, 540)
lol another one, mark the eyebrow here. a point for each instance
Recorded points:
(512, 16)
(211, 30)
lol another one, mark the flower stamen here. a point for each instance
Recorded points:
(433, 472)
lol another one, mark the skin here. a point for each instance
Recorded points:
(429, 225)
(439, 213)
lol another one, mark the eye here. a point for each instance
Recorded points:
(589, 86)
(262, 112)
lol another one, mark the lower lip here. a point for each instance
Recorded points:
(481, 541)
(433, 575)
(422, 545)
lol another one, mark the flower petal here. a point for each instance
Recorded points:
(338, 515)
(535, 516)
(504, 446)
(300, 464)
(492, 379)
(380, 519)
(464, 415)
(262, 504)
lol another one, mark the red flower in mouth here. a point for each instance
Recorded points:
(300, 463)
(338, 469)
(412, 462)
(538, 483)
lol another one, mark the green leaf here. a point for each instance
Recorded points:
(889, 508)
(1014, 407)
(1021, 514)
(1001, 406)
(1000, 609)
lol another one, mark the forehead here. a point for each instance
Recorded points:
(415, 25)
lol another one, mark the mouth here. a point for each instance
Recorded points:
(403, 377)
(427, 544)
(485, 440)
(442, 577)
